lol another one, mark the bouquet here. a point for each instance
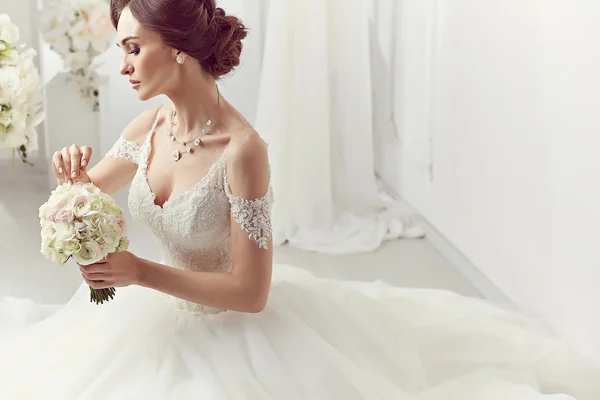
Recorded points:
(81, 222)
(79, 30)
(20, 93)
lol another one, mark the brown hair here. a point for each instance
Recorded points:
(196, 27)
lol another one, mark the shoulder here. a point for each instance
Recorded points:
(248, 171)
(139, 127)
(247, 149)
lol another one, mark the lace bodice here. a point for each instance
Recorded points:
(193, 228)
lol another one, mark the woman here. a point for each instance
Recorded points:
(211, 322)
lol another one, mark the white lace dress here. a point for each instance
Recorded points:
(316, 339)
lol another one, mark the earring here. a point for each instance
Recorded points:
(179, 59)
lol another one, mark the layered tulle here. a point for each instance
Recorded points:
(316, 339)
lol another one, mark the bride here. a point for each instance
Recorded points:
(215, 319)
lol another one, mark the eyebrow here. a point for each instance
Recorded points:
(126, 39)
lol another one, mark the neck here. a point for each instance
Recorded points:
(195, 103)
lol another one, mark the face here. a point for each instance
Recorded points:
(148, 62)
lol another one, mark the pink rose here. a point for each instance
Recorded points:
(54, 205)
(50, 214)
(58, 202)
(64, 216)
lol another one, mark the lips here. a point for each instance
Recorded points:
(134, 83)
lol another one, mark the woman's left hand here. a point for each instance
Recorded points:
(117, 270)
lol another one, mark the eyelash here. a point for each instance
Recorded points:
(135, 51)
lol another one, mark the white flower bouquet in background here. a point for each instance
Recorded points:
(79, 30)
(81, 222)
(20, 93)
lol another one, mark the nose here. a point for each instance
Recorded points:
(126, 68)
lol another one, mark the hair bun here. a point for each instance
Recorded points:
(228, 32)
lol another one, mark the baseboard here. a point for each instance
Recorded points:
(469, 270)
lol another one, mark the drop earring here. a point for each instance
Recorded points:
(179, 59)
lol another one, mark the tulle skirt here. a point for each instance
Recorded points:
(316, 339)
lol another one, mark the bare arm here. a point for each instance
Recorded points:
(246, 287)
(116, 169)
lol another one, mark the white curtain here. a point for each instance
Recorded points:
(315, 110)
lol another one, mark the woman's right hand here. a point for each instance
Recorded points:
(69, 164)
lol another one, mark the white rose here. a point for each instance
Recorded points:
(9, 32)
(48, 232)
(10, 84)
(100, 27)
(61, 44)
(61, 189)
(77, 60)
(5, 117)
(42, 213)
(64, 231)
(9, 56)
(11, 139)
(89, 253)
(32, 140)
(54, 23)
(80, 36)
(58, 256)
(72, 246)
(4, 19)
(18, 119)
(54, 254)
(82, 205)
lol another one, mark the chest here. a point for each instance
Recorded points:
(198, 214)
(167, 178)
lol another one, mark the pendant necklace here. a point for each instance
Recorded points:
(195, 142)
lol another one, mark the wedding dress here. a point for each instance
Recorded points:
(316, 338)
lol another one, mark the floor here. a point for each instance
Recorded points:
(24, 272)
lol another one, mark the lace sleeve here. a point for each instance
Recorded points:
(253, 215)
(126, 150)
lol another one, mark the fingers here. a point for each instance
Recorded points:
(86, 156)
(69, 163)
(98, 284)
(97, 268)
(57, 165)
(75, 161)
(66, 164)
(94, 278)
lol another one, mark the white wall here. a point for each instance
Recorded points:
(494, 105)
(571, 59)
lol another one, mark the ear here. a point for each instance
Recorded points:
(180, 56)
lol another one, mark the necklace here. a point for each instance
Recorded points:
(196, 142)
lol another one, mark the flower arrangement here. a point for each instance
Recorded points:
(79, 30)
(80, 221)
(20, 93)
